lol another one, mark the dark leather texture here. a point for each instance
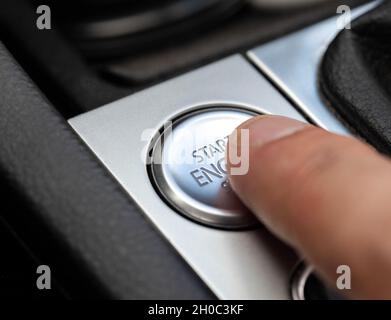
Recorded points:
(356, 76)
(71, 213)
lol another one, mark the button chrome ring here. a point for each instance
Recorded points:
(198, 188)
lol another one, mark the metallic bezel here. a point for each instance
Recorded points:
(186, 206)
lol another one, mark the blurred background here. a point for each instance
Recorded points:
(100, 50)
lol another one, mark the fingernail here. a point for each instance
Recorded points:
(266, 128)
(253, 134)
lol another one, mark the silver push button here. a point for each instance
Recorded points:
(188, 167)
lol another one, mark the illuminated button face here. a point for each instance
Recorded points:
(188, 167)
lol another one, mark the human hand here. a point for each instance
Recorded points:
(328, 196)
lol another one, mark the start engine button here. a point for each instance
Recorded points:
(188, 167)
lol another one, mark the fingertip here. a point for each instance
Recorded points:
(252, 135)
